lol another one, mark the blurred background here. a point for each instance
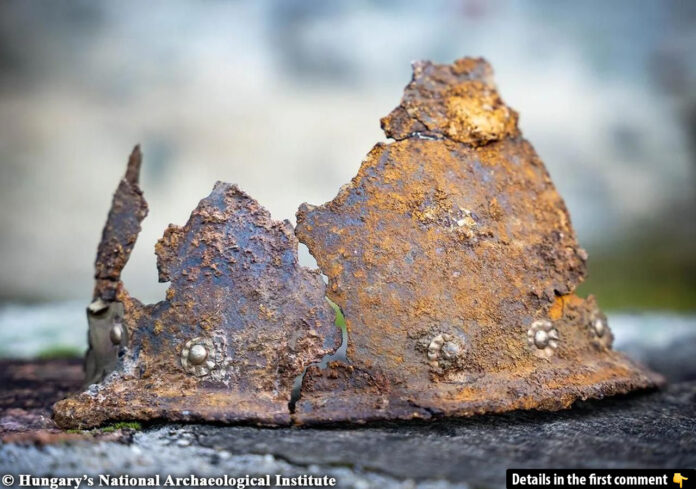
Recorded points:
(284, 97)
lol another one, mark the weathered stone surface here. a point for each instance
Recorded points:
(454, 261)
(639, 430)
(29, 389)
(240, 321)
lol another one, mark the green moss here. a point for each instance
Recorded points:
(122, 425)
(340, 320)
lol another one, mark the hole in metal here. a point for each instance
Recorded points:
(306, 259)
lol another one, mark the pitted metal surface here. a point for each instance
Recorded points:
(450, 253)
(240, 322)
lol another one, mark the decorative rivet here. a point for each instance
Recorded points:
(599, 325)
(600, 329)
(201, 355)
(197, 354)
(544, 337)
(116, 334)
(444, 351)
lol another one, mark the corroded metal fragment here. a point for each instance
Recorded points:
(457, 101)
(451, 255)
(106, 336)
(241, 320)
(128, 209)
(105, 314)
(455, 263)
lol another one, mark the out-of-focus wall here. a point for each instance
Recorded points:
(284, 98)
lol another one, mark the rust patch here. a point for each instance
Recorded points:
(454, 261)
(457, 101)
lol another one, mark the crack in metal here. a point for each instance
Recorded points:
(340, 355)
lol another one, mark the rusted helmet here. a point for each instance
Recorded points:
(450, 254)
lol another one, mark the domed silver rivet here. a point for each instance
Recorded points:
(201, 355)
(197, 354)
(544, 337)
(116, 334)
(541, 339)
